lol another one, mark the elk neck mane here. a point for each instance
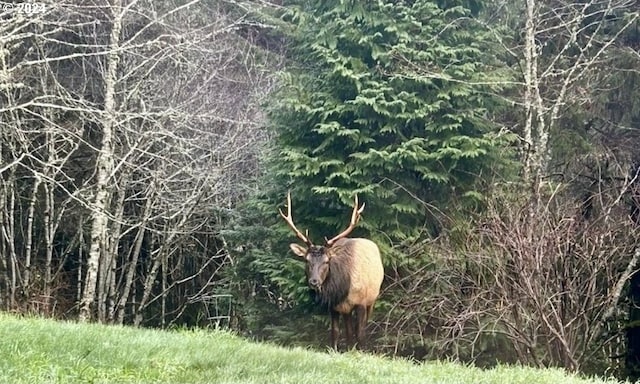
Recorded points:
(336, 287)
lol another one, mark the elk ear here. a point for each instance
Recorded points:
(298, 249)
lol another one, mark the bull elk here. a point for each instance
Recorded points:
(346, 274)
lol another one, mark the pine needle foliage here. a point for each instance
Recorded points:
(389, 100)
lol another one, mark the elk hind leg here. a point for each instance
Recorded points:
(369, 311)
(361, 314)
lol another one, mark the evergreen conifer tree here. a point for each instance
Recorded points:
(388, 100)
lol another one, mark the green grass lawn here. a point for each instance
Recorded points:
(44, 351)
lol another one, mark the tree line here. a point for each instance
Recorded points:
(127, 129)
(146, 147)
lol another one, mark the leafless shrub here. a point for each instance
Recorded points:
(540, 285)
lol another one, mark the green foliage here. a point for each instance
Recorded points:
(390, 101)
(44, 351)
(267, 281)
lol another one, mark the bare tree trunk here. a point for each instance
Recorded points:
(8, 232)
(106, 292)
(148, 285)
(552, 85)
(48, 238)
(8, 223)
(50, 224)
(536, 131)
(26, 289)
(104, 168)
(163, 302)
(133, 263)
(157, 261)
(80, 261)
(112, 288)
(529, 88)
(163, 251)
(4, 297)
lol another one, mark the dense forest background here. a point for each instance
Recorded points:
(146, 146)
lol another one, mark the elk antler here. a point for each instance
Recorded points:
(289, 219)
(355, 217)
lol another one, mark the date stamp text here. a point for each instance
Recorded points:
(23, 8)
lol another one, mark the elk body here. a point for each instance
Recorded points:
(346, 274)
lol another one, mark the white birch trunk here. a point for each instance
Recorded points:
(29, 241)
(80, 260)
(108, 265)
(3, 248)
(529, 79)
(104, 166)
(8, 232)
(49, 224)
(48, 237)
(536, 131)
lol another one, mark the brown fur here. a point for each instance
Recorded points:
(335, 288)
(351, 285)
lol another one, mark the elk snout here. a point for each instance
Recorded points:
(314, 283)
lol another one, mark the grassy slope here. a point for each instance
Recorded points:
(43, 351)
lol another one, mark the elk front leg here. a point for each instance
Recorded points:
(347, 318)
(335, 330)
